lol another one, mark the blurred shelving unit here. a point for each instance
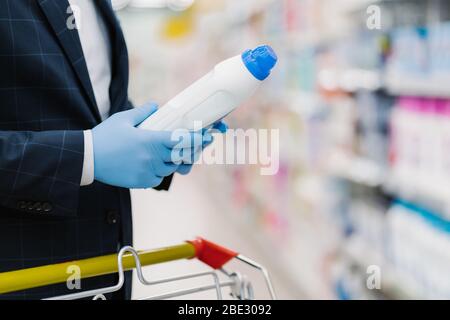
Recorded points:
(334, 93)
(413, 74)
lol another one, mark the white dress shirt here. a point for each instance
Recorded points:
(97, 52)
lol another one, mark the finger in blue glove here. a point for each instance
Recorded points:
(186, 167)
(128, 157)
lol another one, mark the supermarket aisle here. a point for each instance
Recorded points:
(184, 213)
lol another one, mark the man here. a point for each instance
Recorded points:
(66, 163)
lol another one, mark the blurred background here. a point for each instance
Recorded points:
(364, 119)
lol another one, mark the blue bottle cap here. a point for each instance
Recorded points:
(260, 61)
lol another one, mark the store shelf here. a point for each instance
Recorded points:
(404, 85)
(350, 80)
(356, 169)
(360, 5)
(431, 192)
(353, 80)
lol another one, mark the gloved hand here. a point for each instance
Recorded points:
(208, 139)
(128, 157)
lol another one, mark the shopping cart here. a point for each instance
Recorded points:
(127, 259)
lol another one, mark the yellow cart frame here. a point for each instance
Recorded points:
(127, 259)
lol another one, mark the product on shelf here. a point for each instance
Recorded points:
(418, 245)
(419, 63)
(420, 136)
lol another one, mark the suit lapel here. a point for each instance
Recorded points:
(57, 15)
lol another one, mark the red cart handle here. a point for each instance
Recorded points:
(212, 254)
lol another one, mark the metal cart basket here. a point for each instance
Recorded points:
(127, 259)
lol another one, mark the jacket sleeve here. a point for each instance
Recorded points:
(41, 171)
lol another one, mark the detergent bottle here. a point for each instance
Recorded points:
(217, 94)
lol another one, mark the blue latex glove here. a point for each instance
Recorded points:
(208, 139)
(128, 157)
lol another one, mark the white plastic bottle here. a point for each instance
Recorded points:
(217, 94)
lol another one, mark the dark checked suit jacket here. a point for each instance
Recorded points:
(46, 101)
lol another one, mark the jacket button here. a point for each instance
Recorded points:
(22, 205)
(112, 217)
(38, 207)
(30, 206)
(47, 207)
